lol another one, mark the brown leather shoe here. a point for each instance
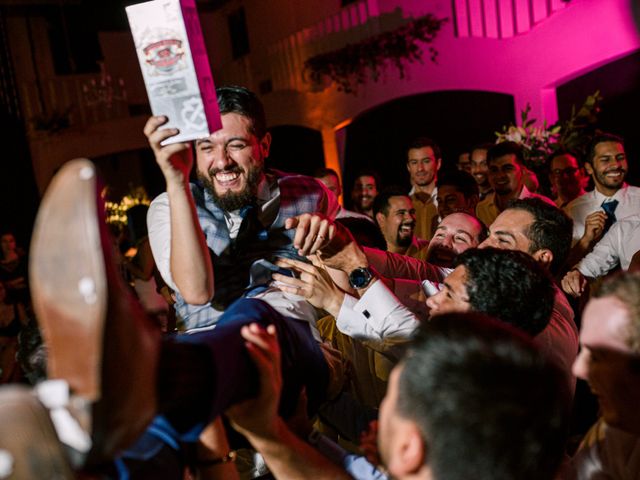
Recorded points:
(98, 338)
(29, 447)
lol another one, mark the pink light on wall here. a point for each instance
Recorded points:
(476, 18)
(492, 30)
(484, 48)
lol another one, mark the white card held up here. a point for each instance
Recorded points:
(175, 66)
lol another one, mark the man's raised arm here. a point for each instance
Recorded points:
(178, 242)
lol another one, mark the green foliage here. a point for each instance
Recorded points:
(354, 64)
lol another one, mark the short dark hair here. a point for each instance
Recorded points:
(505, 148)
(368, 172)
(421, 142)
(482, 146)
(509, 285)
(552, 228)
(474, 385)
(598, 138)
(240, 100)
(461, 180)
(381, 202)
(558, 153)
(324, 172)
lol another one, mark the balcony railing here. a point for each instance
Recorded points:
(350, 24)
(500, 18)
(64, 96)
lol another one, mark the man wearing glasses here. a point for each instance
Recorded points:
(566, 177)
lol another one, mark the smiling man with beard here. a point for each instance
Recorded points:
(364, 191)
(394, 213)
(207, 236)
(611, 199)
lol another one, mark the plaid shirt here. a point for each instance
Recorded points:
(294, 195)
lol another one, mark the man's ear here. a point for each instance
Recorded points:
(438, 164)
(408, 457)
(588, 168)
(380, 218)
(265, 145)
(544, 256)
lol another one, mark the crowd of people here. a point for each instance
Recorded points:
(433, 333)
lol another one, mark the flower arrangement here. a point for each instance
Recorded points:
(352, 65)
(116, 212)
(539, 142)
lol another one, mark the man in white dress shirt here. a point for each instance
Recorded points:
(612, 199)
(616, 248)
(377, 313)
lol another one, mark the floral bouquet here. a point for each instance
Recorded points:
(539, 142)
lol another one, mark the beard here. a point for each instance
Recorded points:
(365, 202)
(230, 200)
(505, 189)
(602, 179)
(404, 241)
(441, 256)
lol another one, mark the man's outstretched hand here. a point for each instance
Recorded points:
(332, 242)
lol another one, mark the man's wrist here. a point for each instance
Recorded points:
(177, 185)
(335, 304)
(357, 260)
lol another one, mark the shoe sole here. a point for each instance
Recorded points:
(69, 291)
(98, 337)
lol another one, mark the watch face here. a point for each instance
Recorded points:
(360, 277)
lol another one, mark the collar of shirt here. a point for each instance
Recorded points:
(601, 198)
(433, 195)
(267, 198)
(491, 197)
